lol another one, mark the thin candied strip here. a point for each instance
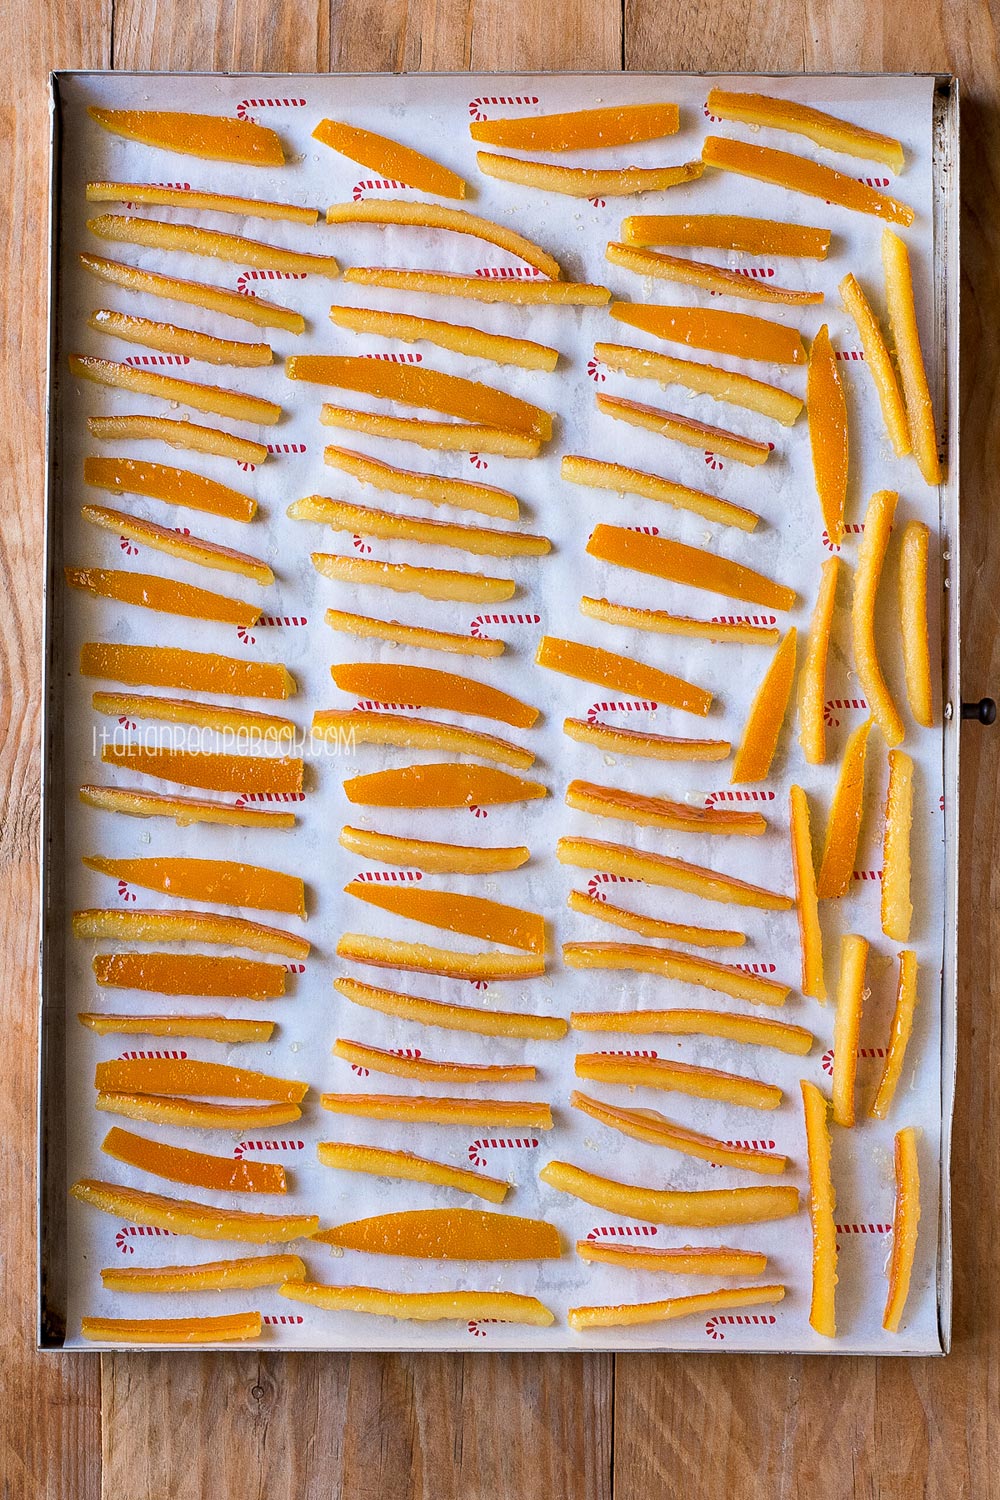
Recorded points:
(660, 622)
(639, 743)
(914, 632)
(195, 1114)
(686, 968)
(900, 1029)
(451, 1017)
(421, 958)
(580, 129)
(474, 343)
(448, 1234)
(707, 1207)
(436, 489)
(156, 234)
(190, 435)
(404, 578)
(167, 338)
(211, 1028)
(420, 637)
(189, 1075)
(208, 976)
(800, 175)
(456, 911)
(214, 137)
(430, 687)
(168, 540)
(375, 727)
(723, 385)
(905, 1221)
(530, 293)
(727, 232)
(218, 203)
(664, 869)
(218, 1329)
(676, 562)
(879, 364)
(828, 433)
(193, 671)
(594, 473)
(434, 216)
(450, 784)
(210, 1276)
(249, 775)
(200, 1220)
(654, 1129)
(812, 678)
(685, 430)
(165, 595)
(448, 437)
(706, 277)
(434, 858)
(222, 716)
(822, 1201)
(819, 127)
(219, 299)
(170, 926)
(586, 182)
(755, 756)
(909, 355)
(847, 1026)
(427, 1069)
(389, 158)
(404, 1166)
(624, 674)
(652, 927)
(897, 900)
(221, 1174)
(173, 486)
(415, 1109)
(629, 1314)
(185, 811)
(364, 520)
(230, 882)
(843, 825)
(423, 1307)
(677, 1077)
(660, 812)
(806, 899)
(686, 1261)
(750, 1031)
(871, 555)
(190, 393)
(743, 335)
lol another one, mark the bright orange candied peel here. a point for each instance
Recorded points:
(190, 393)
(451, 1017)
(211, 1028)
(844, 821)
(650, 1126)
(905, 1221)
(812, 678)
(169, 339)
(174, 544)
(623, 673)
(686, 430)
(847, 1026)
(436, 489)
(677, 1077)
(909, 356)
(435, 216)
(206, 975)
(172, 486)
(664, 869)
(403, 578)
(897, 904)
(421, 958)
(914, 549)
(899, 1034)
(800, 175)
(221, 1174)
(198, 1219)
(517, 290)
(871, 555)
(804, 870)
(727, 232)
(434, 858)
(376, 727)
(166, 595)
(196, 1114)
(580, 129)
(156, 234)
(191, 1075)
(220, 299)
(704, 1207)
(586, 182)
(802, 119)
(686, 1261)
(423, 1307)
(456, 911)
(676, 562)
(629, 1314)
(828, 436)
(185, 811)
(246, 774)
(448, 1234)
(448, 437)
(474, 343)
(722, 385)
(755, 755)
(595, 474)
(420, 637)
(227, 881)
(213, 1275)
(661, 812)
(652, 927)
(426, 1069)
(215, 137)
(221, 1328)
(136, 429)
(879, 364)
(192, 671)
(404, 1166)
(364, 520)
(639, 742)
(222, 716)
(743, 335)
(705, 276)
(428, 687)
(138, 926)
(413, 1109)
(448, 784)
(390, 159)
(822, 1201)
(749, 1031)
(686, 968)
(660, 622)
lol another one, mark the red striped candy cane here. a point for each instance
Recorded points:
(753, 273)
(389, 877)
(282, 1320)
(247, 797)
(715, 1325)
(477, 1149)
(874, 182)
(596, 371)
(244, 279)
(294, 968)
(713, 460)
(622, 706)
(847, 1229)
(129, 1232)
(623, 1232)
(476, 106)
(849, 355)
(408, 357)
(242, 1147)
(835, 705)
(730, 794)
(757, 968)
(851, 528)
(377, 185)
(645, 530)
(372, 705)
(508, 273)
(364, 1072)
(144, 1056)
(598, 202)
(124, 892)
(746, 1146)
(625, 1052)
(744, 620)
(476, 625)
(874, 875)
(246, 105)
(157, 359)
(607, 877)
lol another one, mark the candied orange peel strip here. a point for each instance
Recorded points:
(229, 882)
(220, 1174)
(219, 203)
(847, 1026)
(629, 1314)
(593, 473)
(905, 1221)
(685, 430)
(156, 234)
(580, 129)
(676, 562)
(421, 958)
(755, 755)
(200, 1220)
(427, 1069)
(750, 1031)
(363, 520)
(367, 627)
(897, 905)
(187, 548)
(455, 911)
(879, 364)
(708, 1207)
(389, 158)
(404, 1166)
(212, 1028)
(211, 1276)
(660, 622)
(812, 678)
(807, 905)
(435, 216)
(194, 671)
(206, 398)
(800, 175)
(448, 437)
(474, 343)
(188, 926)
(677, 1077)
(246, 774)
(914, 549)
(705, 276)
(451, 1017)
(802, 119)
(230, 720)
(664, 869)
(218, 299)
(184, 811)
(207, 975)
(214, 137)
(196, 1114)
(623, 673)
(640, 743)
(166, 595)
(434, 858)
(169, 339)
(650, 1126)
(652, 927)
(727, 232)
(828, 435)
(899, 1034)
(660, 812)
(689, 1261)
(414, 1109)
(871, 555)
(447, 785)
(586, 182)
(423, 1307)
(375, 727)
(403, 578)
(448, 1234)
(434, 488)
(482, 288)
(191, 1075)
(429, 687)
(172, 486)
(686, 968)
(822, 1202)
(134, 429)
(909, 357)
(743, 335)
(722, 385)
(844, 822)
(221, 1328)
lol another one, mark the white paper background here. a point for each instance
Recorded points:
(433, 112)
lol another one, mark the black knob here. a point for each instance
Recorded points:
(985, 711)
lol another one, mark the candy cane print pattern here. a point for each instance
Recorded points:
(622, 706)
(282, 1320)
(268, 622)
(363, 1072)
(124, 892)
(478, 461)
(622, 1231)
(827, 1059)
(838, 705)
(719, 1321)
(242, 1147)
(378, 185)
(371, 705)
(141, 1056)
(476, 1328)
(853, 1229)
(753, 273)
(129, 1232)
(606, 877)
(246, 105)
(476, 106)
(244, 279)
(767, 620)
(507, 273)
(294, 968)
(873, 875)
(849, 355)
(157, 359)
(360, 545)
(733, 794)
(383, 877)
(245, 799)
(757, 968)
(476, 625)
(273, 449)
(477, 1149)
(713, 460)
(596, 371)
(408, 357)
(851, 528)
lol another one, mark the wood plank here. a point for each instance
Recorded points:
(778, 1428)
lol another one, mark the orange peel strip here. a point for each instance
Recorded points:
(755, 755)
(206, 975)
(389, 158)
(677, 1077)
(580, 129)
(847, 1026)
(217, 299)
(450, 784)
(595, 474)
(722, 385)
(218, 203)
(686, 430)
(899, 1035)
(586, 182)
(156, 234)
(743, 335)
(823, 129)
(664, 869)
(205, 398)
(623, 673)
(660, 812)
(807, 905)
(659, 622)
(708, 1207)
(221, 1174)
(482, 288)
(897, 906)
(188, 926)
(447, 437)
(689, 1261)
(913, 621)
(474, 343)
(222, 1328)
(629, 1314)
(434, 858)
(212, 1028)
(185, 811)
(172, 486)
(191, 1075)
(800, 175)
(193, 671)
(640, 743)
(426, 1069)
(230, 720)
(429, 687)
(416, 1110)
(363, 520)
(434, 488)
(909, 357)
(366, 627)
(211, 1276)
(200, 1220)
(871, 555)
(750, 1031)
(423, 1307)
(905, 1221)
(822, 1201)
(828, 434)
(455, 911)
(405, 1167)
(246, 774)
(686, 968)
(197, 1114)
(812, 679)
(188, 549)
(169, 339)
(190, 435)
(421, 958)
(166, 595)
(706, 277)
(451, 1017)
(402, 578)
(652, 927)
(727, 232)
(650, 1126)
(843, 826)
(435, 216)
(213, 137)
(676, 562)
(879, 364)
(448, 1234)
(374, 727)
(227, 881)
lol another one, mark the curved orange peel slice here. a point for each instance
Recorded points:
(191, 1075)
(822, 1200)
(434, 858)
(421, 958)
(899, 1035)
(743, 335)
(678, 429)
(193, 671)
(423, 1307)
(210, 1276)
(806, 901)
(652, 927)
(660, 622)
(909, 357)
(375, 727)
(656, 1130)
(622, 673)
(214, 137)
(246, 774)
(364, 520)
(449, 784)
(586, 182)
(483, 288)
(676, 1077)
(229, 882)
(749, 1031)
(676, 562)
(828, 435)
(196, 1114)
(217, 299)
(210, 976)
(217, 203)
(219, 1329)
(156, 234)
(706, 277)
(190, 393)
(664, 869)
(367, 627)
(426, 1069)
(755, 755)
(905, 1221)
(879, 363)
(474, 343)
(435, 216)
(847, 1026)
(136, 429)
(456, 911)
(436, 489)
(211, 1028)
(800, 175)
(871, 555)
(686, 968)
(166, 595)
(403, 578)
(914, 549)
(448, 1234)
(167, 338)
(639, 742)
(184, 811)
(688, 1261)
(404, 1166)
(707, 1207)
(843, 825)
(139, 926)
(200, 1220)
(660, 812)
(727, 232)
(722, 385)
(630, 1314)
(819, 127)
(580, 129)
(451, 1017)
(389, 159)
(428, 687)
(448, 437)
(897, 904)
(812, 678)
(220, 1174)
(593, 473)
(416, 1110)
(173, 486)
(188, 549)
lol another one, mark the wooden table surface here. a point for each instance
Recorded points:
(507, 1427)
